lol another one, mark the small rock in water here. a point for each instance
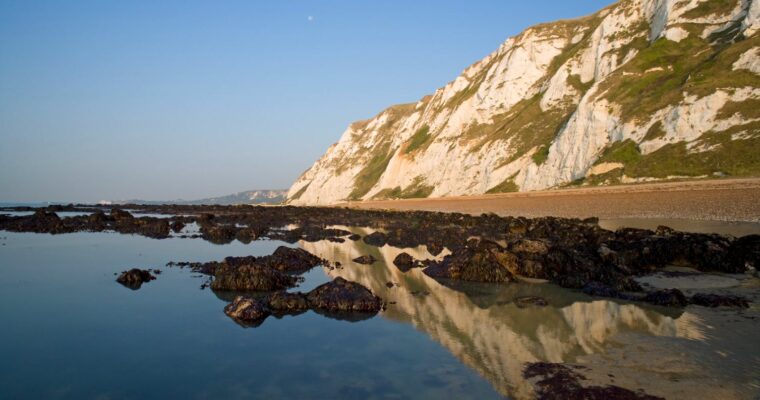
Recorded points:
(251, 277)
(482, 261)
(247, 310)
(377, 239)
(367, 260)
(341, 295)
(405, 262)
(719, 300)
(134, 278)
(527, 301)
(666, 297)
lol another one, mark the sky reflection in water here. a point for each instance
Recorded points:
(72, 331)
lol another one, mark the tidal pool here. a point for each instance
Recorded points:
(71, 331)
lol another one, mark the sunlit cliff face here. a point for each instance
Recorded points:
(483, 327)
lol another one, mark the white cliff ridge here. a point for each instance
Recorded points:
(657, 88)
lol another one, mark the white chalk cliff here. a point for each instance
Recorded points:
(642, 90)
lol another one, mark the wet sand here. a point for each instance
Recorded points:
(713, 202)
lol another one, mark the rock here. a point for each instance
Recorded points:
(134, 278)
(288, 303)
(252, 277)
(482, 261)
(719, 300)
(528, 246)
(177, 226)
(377, 239)
(434, 248)
(527, 301)
(600, 290)
(247, 310)
(291, 260)
(341, 295)
(405, 262)
(666, 297)
(119, 214)
(354, 237)
(219, 234)
(745, 254)
(367, 259)
(562, 381)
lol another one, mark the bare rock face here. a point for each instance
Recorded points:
(482, 261)
(341, 295)
(134, 278)
(553, 106)
(251, 277)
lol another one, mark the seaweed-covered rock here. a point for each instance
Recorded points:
(341, 295)
(719, 300)
(177, 226)
(528, 301)
(247, 310)
(599, 289)
(482, 261)
(405, 262)
(666, 297)
(134, 278)
(377, 239)
(288, 303)
(565, 382)
(253, 277)
(119, 214)
(366, 259)
(291, 259)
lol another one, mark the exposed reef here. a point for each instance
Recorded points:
(572, 253)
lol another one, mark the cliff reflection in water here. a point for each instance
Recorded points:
(483, 327)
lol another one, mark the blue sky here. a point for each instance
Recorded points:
(189, 99)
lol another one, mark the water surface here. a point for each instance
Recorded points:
(72, 332)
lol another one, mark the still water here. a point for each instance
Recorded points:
(70, 331)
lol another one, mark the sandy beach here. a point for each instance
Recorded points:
(736, 200)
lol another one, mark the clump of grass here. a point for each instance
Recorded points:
(625, 152)
(371, 173)
(540, 156)
(747, 109)
(420, 137)
(655, 131)
(711, 7)
(417, 190)
(507, 186)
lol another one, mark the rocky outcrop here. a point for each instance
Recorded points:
(339, 299)
(252, 277)
(135, 277)
(562, 381)
(479, 261)
(615, 97)
(341, 295)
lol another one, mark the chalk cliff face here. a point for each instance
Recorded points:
(642, 90)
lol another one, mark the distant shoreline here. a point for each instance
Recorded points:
(708, 200)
